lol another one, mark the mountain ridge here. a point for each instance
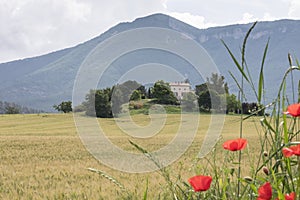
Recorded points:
(48, 79)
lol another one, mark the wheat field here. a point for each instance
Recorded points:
(42, 157)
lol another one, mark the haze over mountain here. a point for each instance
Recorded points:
(43, 81)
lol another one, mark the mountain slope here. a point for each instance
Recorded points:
(46, 80)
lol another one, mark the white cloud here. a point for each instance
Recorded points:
(294, 9)
(268, 17)
(164, 3)
(247, 17)
(29, 27)
(194, 20)
(75, 11)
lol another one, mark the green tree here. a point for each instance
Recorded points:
(103, 104)
(117, 100)
(149, 93)
(233, 105)
(89, 103)
(11, 108)
(201, 88)
(65, 107)
(204, 101)
(217, 83)
(143, 91)
(136, 95)
(163, 94)
(189, 101)
(212, 94)
(127, 88)
(98, 103)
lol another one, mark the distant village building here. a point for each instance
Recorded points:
(180, 88)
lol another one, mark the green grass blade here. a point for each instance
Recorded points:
(268, 125)
(108, 177)
(146, 191)
(239, 86)
(285, 128)
(261, 74)
(245, 42)
(299, 91)
(240, 68)
(297, 62)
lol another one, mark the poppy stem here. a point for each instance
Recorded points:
(240, 156)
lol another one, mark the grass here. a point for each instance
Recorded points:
(42, 157)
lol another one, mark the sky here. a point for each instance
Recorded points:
(30, 28)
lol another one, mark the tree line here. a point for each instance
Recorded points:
(107, 102)
(13, 108)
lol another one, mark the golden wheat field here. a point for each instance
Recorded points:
(42, 157)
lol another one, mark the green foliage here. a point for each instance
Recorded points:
(163, 94)
(217, 83)
(189, 102)
(142, 91)
(136, 95)
(149, 93)
(201, 88)
(283, 173)
(98, 103)
(118, 96)
(233, 105)
(143, 106)
(65, 107)
(102, 103)
(204, 101)
(12, 109)
(211, 95)
(79, 108)
(123, 93)
(172, 109)
(107, 103)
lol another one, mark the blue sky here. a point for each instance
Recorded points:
(35, 27)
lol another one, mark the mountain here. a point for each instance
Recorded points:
(43, 81)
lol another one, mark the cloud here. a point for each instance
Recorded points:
(268, 17)
(294, 9)
(247, 17)
(30, 27)
(194, 20)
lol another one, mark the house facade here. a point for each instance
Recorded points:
(180, 88)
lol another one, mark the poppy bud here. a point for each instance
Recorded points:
(248, 178)
(266, 170)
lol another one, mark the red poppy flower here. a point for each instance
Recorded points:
(292, 150)
(291, 196)
(265, 192)
(235, 145)
(200, 183)
(294, 110)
